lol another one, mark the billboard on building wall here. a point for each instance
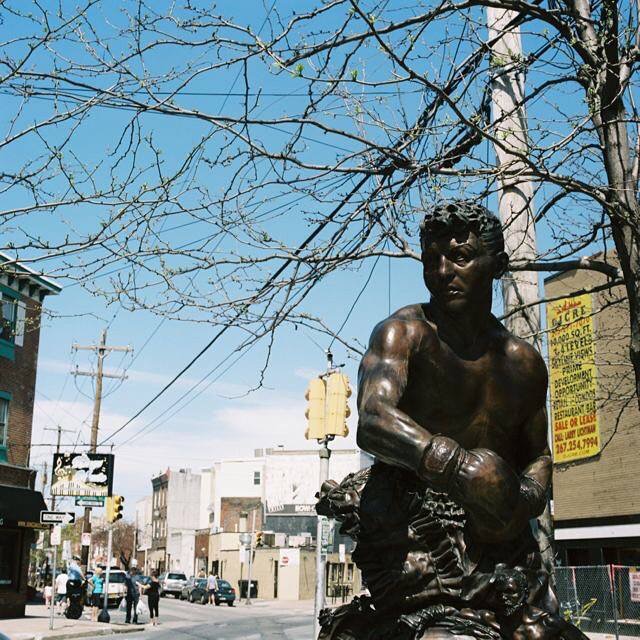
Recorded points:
(572, 379)
(82, 474)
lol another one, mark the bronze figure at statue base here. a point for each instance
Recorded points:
(452, 406)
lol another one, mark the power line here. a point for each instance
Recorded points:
(56, 91)
(244, 307)
(188, 392)
(355, 302)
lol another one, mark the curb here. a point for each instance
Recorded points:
(52, 635)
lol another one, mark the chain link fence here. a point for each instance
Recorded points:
(601, 599)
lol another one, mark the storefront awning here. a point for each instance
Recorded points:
(21, 507)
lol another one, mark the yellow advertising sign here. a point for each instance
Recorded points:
(572, 373)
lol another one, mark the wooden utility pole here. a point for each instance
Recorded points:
(102, 350)
(59, 430)
(516, 198)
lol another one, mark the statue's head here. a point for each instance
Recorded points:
(511, 587)
(462, 253)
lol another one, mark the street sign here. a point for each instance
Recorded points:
(57, 517)
(56, 535)
(90, 501)
(85, 539)
(326, 531)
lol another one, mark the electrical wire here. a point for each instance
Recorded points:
(245, 307)
(146, 430)
(355, 302)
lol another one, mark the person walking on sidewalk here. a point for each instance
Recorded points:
(48, 594)
(61, 591)
(152, 590)
(74, 570)
(212, 586)
(132, 582)
(97, 594)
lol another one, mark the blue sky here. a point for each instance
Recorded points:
(223, 421)
(219, 423)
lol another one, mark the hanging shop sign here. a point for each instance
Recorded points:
(82, 474)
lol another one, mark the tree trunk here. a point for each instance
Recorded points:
(610, 120)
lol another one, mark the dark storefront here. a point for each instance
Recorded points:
(19, 521)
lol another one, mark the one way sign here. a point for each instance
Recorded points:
(57, 517)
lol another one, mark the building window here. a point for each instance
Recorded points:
(8, 316)
(256, 477)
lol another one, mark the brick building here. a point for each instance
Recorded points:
(157, 556)
(22, 292)
(597, 499)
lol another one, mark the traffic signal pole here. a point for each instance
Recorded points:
(253, 528)
(104, 615)
(327, 415)
(321, 556)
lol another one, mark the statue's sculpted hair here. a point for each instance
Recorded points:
(449, 216)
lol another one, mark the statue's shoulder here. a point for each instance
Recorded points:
(524, 356)
(404, 329)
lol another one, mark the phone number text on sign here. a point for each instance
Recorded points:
(572, 377)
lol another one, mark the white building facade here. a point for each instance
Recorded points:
(183, 518)
(239, 479)
(143, 524)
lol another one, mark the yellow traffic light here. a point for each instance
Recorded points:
(259, 539)
(316, 395)
(114, 508)
(338, 390)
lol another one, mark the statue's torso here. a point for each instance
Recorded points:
(481, 401)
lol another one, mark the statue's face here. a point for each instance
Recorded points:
(459, 272)
(511, 596)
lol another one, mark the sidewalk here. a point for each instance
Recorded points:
(36, 626)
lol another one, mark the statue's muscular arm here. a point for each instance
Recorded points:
(498, 500)
(383, 430)
(535, 459)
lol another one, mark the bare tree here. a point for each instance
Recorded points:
(170, 156)
(123, 541)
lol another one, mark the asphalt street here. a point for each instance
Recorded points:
(262, 620)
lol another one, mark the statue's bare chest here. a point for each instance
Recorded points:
(481, 402)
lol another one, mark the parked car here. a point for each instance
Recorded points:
(225, 593)
(195, 591)
(172, 583)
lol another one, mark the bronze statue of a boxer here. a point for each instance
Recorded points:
(452, 406)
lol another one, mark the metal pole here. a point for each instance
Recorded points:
(53, 585)
(612, 571)
(253, 528)
(321, 558)
(105, 599)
